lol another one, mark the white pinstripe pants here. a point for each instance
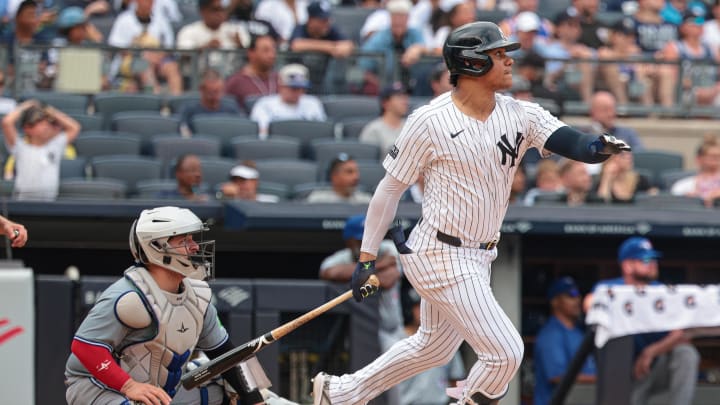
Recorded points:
(457, 304)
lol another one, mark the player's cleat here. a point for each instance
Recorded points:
(321, 384)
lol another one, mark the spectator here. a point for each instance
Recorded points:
(675, 10)
(213, 31)
(531, 67)
(651, 31)
(283, 15)
(576, 182)
(440, 80)
(88, 7)
(455, 13)
(591, 27)
(325, 47)
(47, 131)
(521, 89)
(711, 28)
(664, 361)
(344, 178)
(212, 90)
(429, 386)
(626, 80)
(573, 80)
(619, 182)
(526, 8)
(27, 32)
(75, 29)
(7, 104)
(706, 183)
(188, 173)
(339, 267)
(603, 115)
(517, 189)
(243, 184)
(401, 45)
(547, 180)
(165, 9)
(257, 77)
(291, 102)
(383, 130)
(140, 27)
(420, 17)
(699, 81)
(558, 341)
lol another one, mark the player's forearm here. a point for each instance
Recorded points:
(576, 145)
(380, 214)
(100, 363)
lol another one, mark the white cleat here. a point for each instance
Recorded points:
(321, 384)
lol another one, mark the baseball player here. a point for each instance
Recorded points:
(136, 340)
(467, 143)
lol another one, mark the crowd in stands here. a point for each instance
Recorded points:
(265, 87)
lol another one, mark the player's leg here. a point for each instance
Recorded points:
(211, 394)
(433, 345)
(85, 391)
(470, 305)
(683, 363)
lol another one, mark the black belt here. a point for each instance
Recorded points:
(457, 242)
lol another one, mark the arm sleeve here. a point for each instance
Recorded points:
(100, 363)
(381, 212)
(576, 145)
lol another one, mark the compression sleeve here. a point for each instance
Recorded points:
(98, 360)
(234, 376)
(576, 145)
(381, 212)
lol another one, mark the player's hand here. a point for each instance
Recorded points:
(145, 393)
(362, 272)
(609, 145)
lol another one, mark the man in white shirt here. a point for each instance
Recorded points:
(291, 102)
(213, 31)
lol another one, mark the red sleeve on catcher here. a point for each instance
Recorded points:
(100, 363)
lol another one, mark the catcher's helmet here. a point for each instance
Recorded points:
(465, 48)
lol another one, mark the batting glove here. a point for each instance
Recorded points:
(362, 272)
(609, 145)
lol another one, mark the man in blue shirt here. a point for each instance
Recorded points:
(558, 341)
(664, 361)
(212, 90)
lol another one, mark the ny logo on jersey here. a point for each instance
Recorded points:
(509, 150)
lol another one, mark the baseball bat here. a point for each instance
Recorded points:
(241, 353)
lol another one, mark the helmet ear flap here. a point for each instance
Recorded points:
(136, 244)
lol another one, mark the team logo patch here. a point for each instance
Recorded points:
(394, 152)
(510, 152)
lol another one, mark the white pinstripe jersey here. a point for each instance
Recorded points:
(468, 164)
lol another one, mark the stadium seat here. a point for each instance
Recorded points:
(657, 161)
(108, 104)
(325, 150)
(275, 147)
(129, 169)
(92, 144)
(169, 147)
(68, 103)
(669, 177)
(350, 20)
(98, 188)
(668, 201)
(175, 103)
(304, 131)
(280, 190)
(225, 126)
(352, 127)
(215, 170)
(289, 172)
(88, 122)
(145, 123)
(73, 167)
(371, 172)
(491, 15)
(338, 108)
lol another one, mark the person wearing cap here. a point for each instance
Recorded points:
(344, 176)
(75, 29)
(243, 184)
(47, 132)
(558, 341)
(664, 361)
(573, 80)
(213, 31)
(339, 267)
(258, 77)
(526, 19)
(402, 46)
(291, 102)
(699, 81)
(384, 130)
(318, 34)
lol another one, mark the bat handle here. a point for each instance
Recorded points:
(370, 287)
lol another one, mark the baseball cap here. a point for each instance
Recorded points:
(244, 172)
(354, 227)
(694, 16)
(624, 26)
(294, 75)
(566, 16)
(399, 6)
(563, 285)
(71, 17)
(527, 21)
(319, 9)
(391, 90)
(637, 248)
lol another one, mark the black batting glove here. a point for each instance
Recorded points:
(609, 145)
(360, 288)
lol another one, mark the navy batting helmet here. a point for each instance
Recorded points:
(465, 49)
